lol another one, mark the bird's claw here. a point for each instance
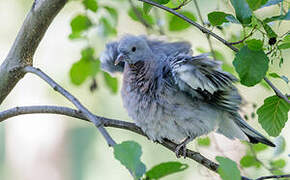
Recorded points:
(181, 150)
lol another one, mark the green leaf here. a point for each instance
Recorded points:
(78, 73)
(203, 141)
(255, 44)
(228, 169)
(227, 67)
(217, 18)
(129, 153)
(111, 82)
(280, 145)
(256, 4)
(219, 56)
(107, 28)
(243, 11)
(91, 5)
(251, 65)
(273, 115)
(269, 31)
(82, 69)
(278, 164)
(162, 1)
(88, 53)
(287, 38)
(148, 18)
(147, 8)
(249, 161)
(87, 66)
(259, 147)
(165, 169)
(177, 24)
(275, 75)
(113, 13)
(79, 24)
(284, 45)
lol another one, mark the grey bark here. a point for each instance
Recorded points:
(22, 51)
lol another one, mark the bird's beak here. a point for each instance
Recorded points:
(120, 58)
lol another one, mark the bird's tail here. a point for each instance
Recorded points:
(253, 135)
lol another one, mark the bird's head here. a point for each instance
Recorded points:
(133, 49)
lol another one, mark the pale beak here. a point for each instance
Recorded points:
(120, 58)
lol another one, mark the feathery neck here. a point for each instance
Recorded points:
(141, 76)
(145, 69)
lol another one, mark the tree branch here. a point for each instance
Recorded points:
(205, 30)
(276, 90)
(201, 28)
(246, 37)
(21, 53)
(106, 122)
(274, 177)
(97, 121)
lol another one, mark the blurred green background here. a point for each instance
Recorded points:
(52, 147)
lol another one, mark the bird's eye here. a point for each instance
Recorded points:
(133, 49)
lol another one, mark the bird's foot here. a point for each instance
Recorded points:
(180, 150)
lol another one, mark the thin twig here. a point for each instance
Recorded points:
(97, 122)
(276, 90)
(246, 37)
(207, 35)
(205, 30)
(184, 3)
(201, 28)
(274, 177)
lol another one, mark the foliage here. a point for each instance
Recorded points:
(165, 169)
(203, 141)
(228, 169)
(259, 46)
(89, 65)
(129, 153)
(273, 115)
(251, 65)
(175, 24)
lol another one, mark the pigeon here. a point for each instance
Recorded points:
(171, 94)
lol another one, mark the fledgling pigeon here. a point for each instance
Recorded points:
(171, 94)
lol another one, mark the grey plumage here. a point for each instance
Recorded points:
(171, 94)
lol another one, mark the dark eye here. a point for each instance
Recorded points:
(133, 49)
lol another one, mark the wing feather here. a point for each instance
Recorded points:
(205, 76)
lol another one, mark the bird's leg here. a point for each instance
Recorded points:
(182, 147)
